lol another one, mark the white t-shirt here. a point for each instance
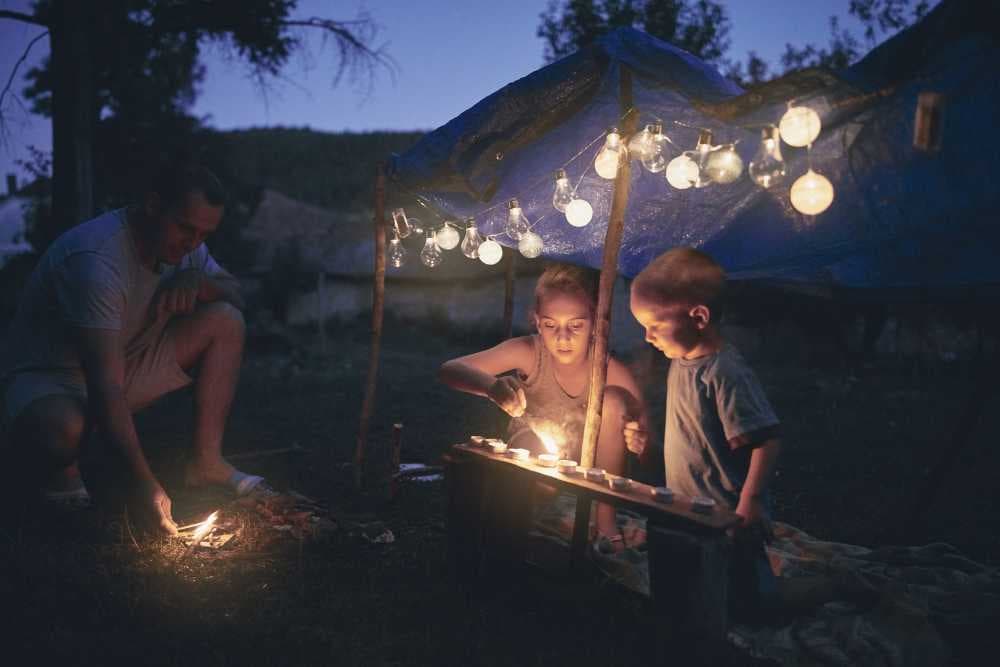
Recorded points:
(89, 277)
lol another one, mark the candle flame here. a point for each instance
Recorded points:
(549, 435)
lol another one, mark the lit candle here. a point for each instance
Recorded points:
(547, 460)
(477, 441)
(566, 467)
(497, 446)
(518, 454)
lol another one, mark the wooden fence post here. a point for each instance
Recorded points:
(609, 272)
(378, 304)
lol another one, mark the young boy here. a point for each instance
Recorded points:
(721, 436)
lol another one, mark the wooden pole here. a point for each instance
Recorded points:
(508, 295)
(378, 304)
(609, 272)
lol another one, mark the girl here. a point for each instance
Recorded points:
(542, 381)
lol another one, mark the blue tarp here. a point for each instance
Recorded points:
(901, 219)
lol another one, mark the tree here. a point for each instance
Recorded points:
(698, 26)
(135, 62)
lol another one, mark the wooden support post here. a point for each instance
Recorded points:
(378, 304)
(508, 295)
(321, 308)
(609, 272)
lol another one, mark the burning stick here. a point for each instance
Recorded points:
(211, 518)
(203, 531)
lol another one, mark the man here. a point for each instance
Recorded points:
(116, 314)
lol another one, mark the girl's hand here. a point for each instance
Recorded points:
(635, 438)
(508, 394)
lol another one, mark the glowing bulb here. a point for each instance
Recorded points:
(517, 224)
(447, 237)
(655, 158)
(700, 156)
(579, 212)
(431, 255)
(397, 253)
(490, 252)
(563, 194)
(472, 241)
(767, 167)
(799, 126)
(606, 162)
(400, 223)
(682, 171)
(530, 245)
(641, 142)
(724, 165)
(812, 193)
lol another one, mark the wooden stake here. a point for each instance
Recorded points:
(609, 272)
(378, 304)
(508, 295)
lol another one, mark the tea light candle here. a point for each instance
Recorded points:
(566, 467)
(663, 494)
(497, 446)
(477, 441)
(518, 454)
(547, 460)
(594, 474)
(620, 483)
(702, 504)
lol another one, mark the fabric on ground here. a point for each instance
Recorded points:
(924, 599)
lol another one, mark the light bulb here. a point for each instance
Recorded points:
(641, 142)
(431, 255)
(447, 237)
(563, 194)
(490, 252)
(579, 212)
(606, 162)
(682, 171)
(700, 156)
(517, 225)
(400, 223)
(812, 193)
(530, 245)
(724, 165)
(767, 167)
(655, 158)
(799, 126)
(397, 253)
(472, 241)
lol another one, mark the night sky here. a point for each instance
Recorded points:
(449, 55)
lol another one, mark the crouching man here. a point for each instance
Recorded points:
(121, 310)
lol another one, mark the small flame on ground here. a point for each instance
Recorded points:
(205, 527)
(548, 439)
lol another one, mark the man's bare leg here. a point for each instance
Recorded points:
(48, 435)
(211, 340)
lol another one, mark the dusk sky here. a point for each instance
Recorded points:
(449, 55)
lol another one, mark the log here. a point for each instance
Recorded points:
(609, 273)
(378, 305)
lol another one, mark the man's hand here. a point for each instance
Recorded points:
(155, 505)
(509, 395)
(636, 438)
(179, 295)
(751, 510)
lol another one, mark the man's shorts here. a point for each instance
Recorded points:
(151, 371)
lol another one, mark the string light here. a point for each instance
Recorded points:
(447, 237)
(472, 241)
(682, 171)
(490, 252)
(579, 212)
(396, 253)
(530, 245)
(724, 165)
(606, 162)
(563, 194)
(811, 193)
(400, 224)
(517, 225)
(431, 255)
(655, 157)
(767, 168)
(799, 126)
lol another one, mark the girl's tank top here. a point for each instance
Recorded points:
(550, 409)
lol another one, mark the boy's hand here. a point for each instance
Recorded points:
(508, 394)
(636, 439)
(179, 295)
(751, 510)
(155, 505)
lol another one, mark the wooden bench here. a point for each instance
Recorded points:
(490, 500)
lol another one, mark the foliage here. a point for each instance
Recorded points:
(699, 26)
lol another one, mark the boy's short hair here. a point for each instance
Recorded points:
(567, 279)
(173, 181)
(683, 276)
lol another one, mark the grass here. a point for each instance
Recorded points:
(88, 589)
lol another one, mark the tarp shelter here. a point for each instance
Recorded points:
(901, 219)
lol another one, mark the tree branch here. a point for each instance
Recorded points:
(13, 74)
(21, 16)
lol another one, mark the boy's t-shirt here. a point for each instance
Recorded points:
(716, 413)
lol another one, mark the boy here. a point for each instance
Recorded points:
(721, 436)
